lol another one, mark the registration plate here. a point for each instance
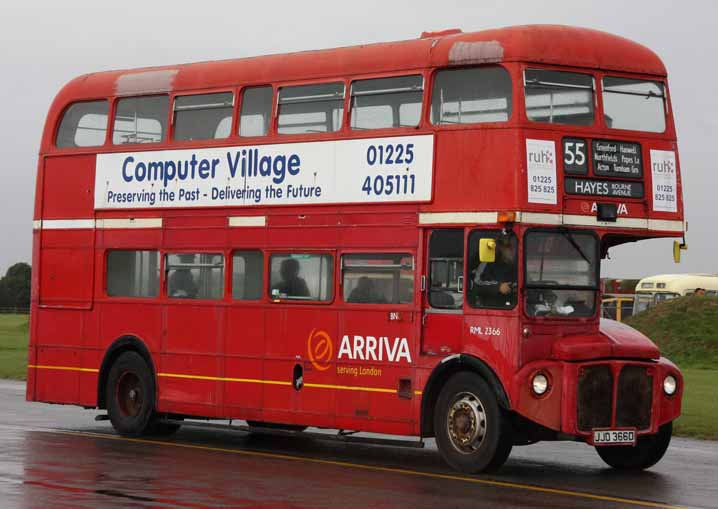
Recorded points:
(614, 437)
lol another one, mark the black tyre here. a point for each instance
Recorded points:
(647, 452)
(130, 395)
(472, 431)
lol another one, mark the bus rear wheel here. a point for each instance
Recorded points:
(130, 395)
(647, 452)
(472, 432)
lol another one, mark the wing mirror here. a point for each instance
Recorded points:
(487, 250)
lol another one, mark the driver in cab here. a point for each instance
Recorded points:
(495, 285)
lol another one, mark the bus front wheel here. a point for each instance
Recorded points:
(647, 452)
(130, 395)
(472, 432)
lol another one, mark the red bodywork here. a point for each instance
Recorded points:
(230, 359)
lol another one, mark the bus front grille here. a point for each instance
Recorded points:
(634, 397)
(595, 395)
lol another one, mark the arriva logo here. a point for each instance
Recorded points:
(320, 349)
(370, 348)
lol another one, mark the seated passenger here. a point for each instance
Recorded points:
(181, 284)
(291, 284)
(366, 293)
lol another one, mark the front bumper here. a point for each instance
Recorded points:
(600, 394)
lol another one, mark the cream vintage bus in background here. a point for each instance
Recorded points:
(654, 289)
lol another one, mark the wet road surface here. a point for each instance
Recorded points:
(55, 456)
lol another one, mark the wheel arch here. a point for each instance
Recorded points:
(118, 347)
(442, 372)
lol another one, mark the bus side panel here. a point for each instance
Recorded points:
(68, 187)
(66, 268)
(484, 172)
(290, 329)
(244, 348)
(192, 348)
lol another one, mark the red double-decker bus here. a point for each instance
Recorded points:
(402, 238)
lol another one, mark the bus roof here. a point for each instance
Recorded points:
(541, 44)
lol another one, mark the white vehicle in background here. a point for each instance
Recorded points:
(654, 289)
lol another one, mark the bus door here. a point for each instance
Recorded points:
(443, 300)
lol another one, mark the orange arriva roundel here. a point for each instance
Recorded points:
(320, 349)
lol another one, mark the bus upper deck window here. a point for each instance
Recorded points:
(386, 102)
(559, 97)
(203, 116)
(140, 120)
(634, 104)
(471, 96)
(84, 124)
(311, 108)
(256, 111)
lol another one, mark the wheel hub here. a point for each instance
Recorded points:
(466, 423)
(129, 394)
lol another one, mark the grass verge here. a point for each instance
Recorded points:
(13, 346)
(700, 406)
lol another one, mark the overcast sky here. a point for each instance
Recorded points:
(45, 44)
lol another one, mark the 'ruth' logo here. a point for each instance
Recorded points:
(320, 349)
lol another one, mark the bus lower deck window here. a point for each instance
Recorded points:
(133, 273)
(471, 96)
(195, 275)
(203, 116)
(84, 124)
(378, 278)
(140, 120)
(299, 276)
(247, 275)
(311, 108)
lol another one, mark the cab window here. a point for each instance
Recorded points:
(493, 284)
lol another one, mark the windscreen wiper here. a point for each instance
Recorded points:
(575, 245)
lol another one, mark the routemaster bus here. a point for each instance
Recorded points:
(402, 238)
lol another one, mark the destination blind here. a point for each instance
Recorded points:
(617, 159)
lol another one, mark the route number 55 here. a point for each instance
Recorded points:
(574, 156)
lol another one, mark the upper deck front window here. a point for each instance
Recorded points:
(471, 96)
(559, 97)
(634, 104)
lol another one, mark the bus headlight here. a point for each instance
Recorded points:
(669, 385)
(539, 384)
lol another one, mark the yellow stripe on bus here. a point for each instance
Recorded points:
(240, 380)
(64, 368)
(224, 379)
